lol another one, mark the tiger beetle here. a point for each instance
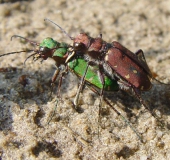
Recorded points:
(59, 52)
(129, 69)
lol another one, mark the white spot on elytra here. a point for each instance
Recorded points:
(135, 71)
(127, 76)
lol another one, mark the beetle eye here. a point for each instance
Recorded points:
(43, 50)
(79, 46)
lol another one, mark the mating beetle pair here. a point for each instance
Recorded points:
(118, 67)
(129, 69)
(114, 60)
(49, 48)
(59, 52)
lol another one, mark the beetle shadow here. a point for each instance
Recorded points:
(125, 101)
(5, 117)
(34, 86)
(41, 92)
(158, 98)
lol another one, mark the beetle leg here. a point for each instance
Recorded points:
(141, 57)
(118, 113)
(60, 81)
(80, 87)
(55, 75)
(160, 81)
(53, 79)
(137, 93)
(151, 112)
(101, 76)
(139, 53)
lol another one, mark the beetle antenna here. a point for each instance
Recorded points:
(46, 19)
(15, 52)
(31, 42)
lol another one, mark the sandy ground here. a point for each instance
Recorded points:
(25, 111)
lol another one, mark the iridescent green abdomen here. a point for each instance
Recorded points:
(78, 67)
